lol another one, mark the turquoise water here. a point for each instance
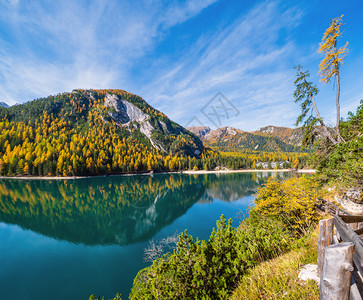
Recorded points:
(68, 239)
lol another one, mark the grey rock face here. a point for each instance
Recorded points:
(352, 201)
(355, 195)
(200, 131)
(147, 129)
(126, 112)
(267, 129)
(163, 125)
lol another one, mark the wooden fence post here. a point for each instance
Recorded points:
(337, 270)
(325, 239)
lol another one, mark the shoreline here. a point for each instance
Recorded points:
(189, 172)
(306, 171)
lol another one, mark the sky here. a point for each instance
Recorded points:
(212, 63)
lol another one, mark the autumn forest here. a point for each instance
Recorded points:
(74, 134)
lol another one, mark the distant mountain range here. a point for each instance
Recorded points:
(3, 104)
(269, 138)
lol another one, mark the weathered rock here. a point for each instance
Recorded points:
(200, 131)
(165, 128)
(147, 129)
(309, 271)
(129, 116)
(352, 201)
(355, 195)
(126, 112)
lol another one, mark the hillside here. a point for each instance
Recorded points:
(91, 132)
(291, 136)
(269, 138)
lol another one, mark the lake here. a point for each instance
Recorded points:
(68, 239)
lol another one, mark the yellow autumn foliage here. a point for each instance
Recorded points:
(329, 66)
(291, 201)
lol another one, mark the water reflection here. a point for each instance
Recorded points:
(115, 210)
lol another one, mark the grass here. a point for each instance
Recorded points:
(278, 278)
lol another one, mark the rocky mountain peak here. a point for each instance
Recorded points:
(268, 138)
(200, 131)
(267, 129)
(3, 104)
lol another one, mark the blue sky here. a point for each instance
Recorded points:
(178, 54)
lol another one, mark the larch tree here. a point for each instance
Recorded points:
(305, 91)
(329, 67)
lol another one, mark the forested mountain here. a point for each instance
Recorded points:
(91, 132)
(269, 138)
(291, 136)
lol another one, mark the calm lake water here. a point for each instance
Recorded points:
(68, 239)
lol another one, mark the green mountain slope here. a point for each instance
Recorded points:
(91, 132)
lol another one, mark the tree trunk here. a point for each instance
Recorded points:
(338, 105)
(339, 137)
(326, 131)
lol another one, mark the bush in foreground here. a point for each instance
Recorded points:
(211, 270)
(278, 278)
(291, 201)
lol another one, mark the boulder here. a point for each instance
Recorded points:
(355, 195)
(309, 271)
(352, 201)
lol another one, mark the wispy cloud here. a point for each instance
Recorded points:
(144, 46)
(58, 46)
(246, 61)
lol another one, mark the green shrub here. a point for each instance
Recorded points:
(201, 270)
(342, 164)
(278, 278)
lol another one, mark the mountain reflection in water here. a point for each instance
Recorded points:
(117, 210)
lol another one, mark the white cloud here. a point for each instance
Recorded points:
(58, 46)
(176, 14)
(244, 61)
(51, 47)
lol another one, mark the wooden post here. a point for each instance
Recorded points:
(325, 239)
(354, 226)
(347, 234)
(337, 270)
